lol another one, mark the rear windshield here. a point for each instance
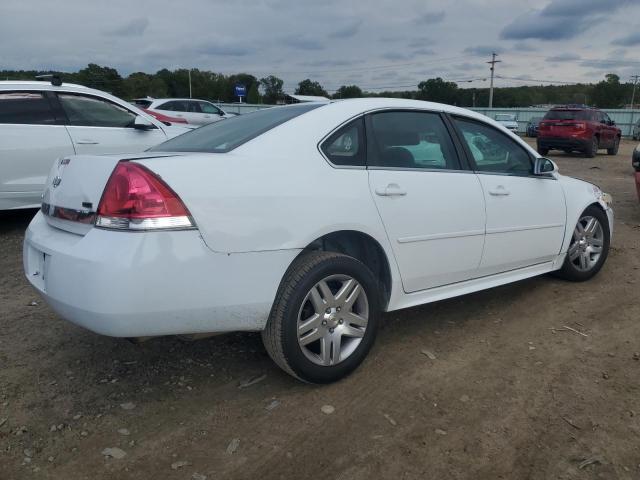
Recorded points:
(568, 115)
(225, 135)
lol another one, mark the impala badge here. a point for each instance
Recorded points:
(56, 181)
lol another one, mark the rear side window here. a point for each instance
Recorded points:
(173, 106)
(94, 112)
(221, 137)
(411, 140)
(493, 151)
(26, 108)
(568, 115)
(346, 147)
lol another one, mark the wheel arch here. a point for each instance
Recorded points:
(364, 248)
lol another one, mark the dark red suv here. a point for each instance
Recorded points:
(578, 128)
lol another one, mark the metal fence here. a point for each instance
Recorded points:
(625, 119)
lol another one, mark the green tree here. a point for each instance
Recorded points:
(609, 93)
(348, 91)
(101, 78)
(253, 95)
(308, 87)
(272, 86)
(438, 90)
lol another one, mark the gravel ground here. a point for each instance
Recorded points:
(474, 387)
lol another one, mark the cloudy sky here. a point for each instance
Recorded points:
(377, 44)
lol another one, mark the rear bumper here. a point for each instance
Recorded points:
(563, 143)
(134, 284)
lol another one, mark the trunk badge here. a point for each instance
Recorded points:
(56, 181)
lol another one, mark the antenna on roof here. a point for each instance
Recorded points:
(54, 78)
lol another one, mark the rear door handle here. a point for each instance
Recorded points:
(499, 191)
(391, 190)
(87, 142)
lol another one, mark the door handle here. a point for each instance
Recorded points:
(499, 191)
(87, 142)
(391, 190)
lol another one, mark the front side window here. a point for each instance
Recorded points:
(193, 107)
(493, 151)
(346, 146)
(208, 108)
(26, 108)
(411, 140)
(88, 111)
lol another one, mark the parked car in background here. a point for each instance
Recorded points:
(636, 130)
(224, 229)
(41, 122)
(578, 128)
(166, 119)
(508, 120)
(635, 163)
(532, 127)
(195, 112)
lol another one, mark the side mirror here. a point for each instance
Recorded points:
(544, 167)
(141, 123)
(612, 123)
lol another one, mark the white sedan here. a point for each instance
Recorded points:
(43, 121)
(305, 222)
(194, 111)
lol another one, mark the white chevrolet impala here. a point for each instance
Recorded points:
(305, 222)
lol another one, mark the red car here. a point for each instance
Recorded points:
(635, 161)
(578, 128)
(166, 119)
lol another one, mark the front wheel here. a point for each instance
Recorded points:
(589, 246)
(616, 146)
(325, 317)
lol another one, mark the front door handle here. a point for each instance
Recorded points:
(499, 191)
(87, 142)
(391, 190)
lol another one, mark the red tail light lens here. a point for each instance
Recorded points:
(137, 199)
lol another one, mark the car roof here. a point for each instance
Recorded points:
(39, 84)
(179, 99)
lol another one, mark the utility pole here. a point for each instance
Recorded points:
(190, 84)
(493, 68)
(635, 83)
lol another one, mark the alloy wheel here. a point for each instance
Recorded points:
(586, 244)
(332, 320)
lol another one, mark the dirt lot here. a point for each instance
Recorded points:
(506, 396)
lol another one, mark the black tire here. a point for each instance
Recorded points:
(592, 149)
(568, 151)
(569, 270)
(616, 146)
(280, 336)
(543, 150)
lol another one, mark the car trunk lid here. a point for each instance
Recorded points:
(74, 189)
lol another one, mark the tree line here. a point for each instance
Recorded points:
(218, 87)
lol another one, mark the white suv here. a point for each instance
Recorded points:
(41, 122)
(194, 111)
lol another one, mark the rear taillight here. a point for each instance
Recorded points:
(542, 125)
(137, 199)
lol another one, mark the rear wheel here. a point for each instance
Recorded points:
(592, 149)
(325, 317)
(616, 146)
(589, 246)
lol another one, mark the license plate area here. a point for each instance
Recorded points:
(37, 263)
